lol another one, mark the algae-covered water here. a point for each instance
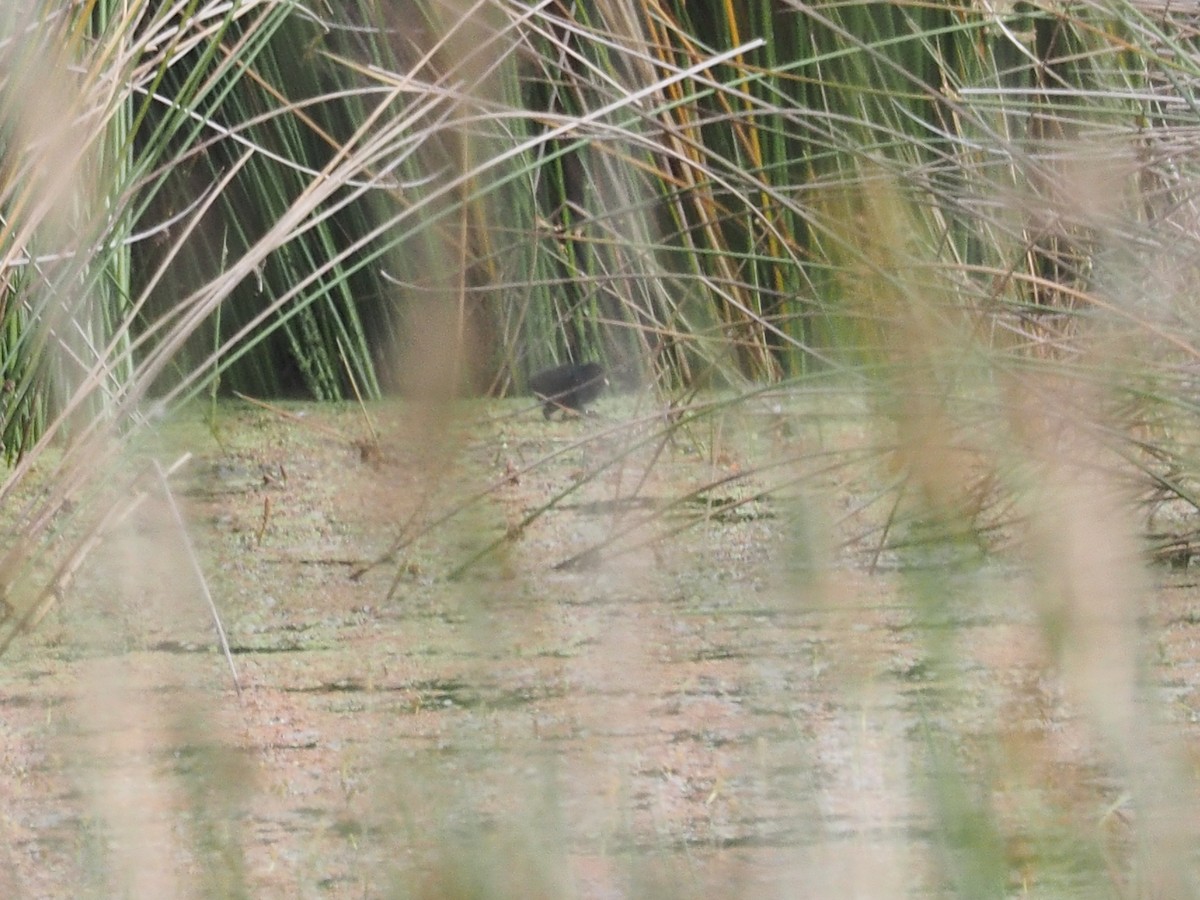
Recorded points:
(484, 655)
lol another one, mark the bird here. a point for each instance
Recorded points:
(571, 386)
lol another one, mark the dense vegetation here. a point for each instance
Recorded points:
(285, 202)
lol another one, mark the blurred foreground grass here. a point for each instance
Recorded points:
(852, 595)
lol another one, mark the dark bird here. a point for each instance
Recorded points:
(568, 387)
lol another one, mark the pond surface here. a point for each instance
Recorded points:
(484, 655)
